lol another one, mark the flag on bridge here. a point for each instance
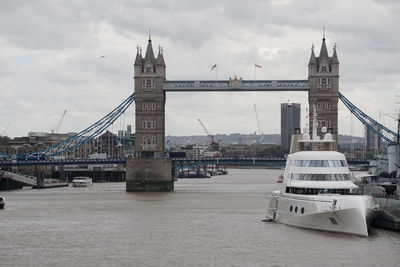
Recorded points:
(213, 67)
(257, 66)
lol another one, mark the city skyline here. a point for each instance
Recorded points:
(79, 57)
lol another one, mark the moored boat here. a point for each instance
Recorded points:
(82, 181)
(317, 191)
(2, 202)
(386, 194)
(192, 174)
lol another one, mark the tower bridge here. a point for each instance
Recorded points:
(151, 87)
(149, 170)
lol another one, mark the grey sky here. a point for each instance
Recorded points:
(51, 59)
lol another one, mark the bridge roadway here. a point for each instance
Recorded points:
(236, 85)
(237, 161)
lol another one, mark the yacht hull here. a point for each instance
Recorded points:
(335, 213)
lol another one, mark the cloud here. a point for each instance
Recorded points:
(51, 58)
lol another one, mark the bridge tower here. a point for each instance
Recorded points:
(323, 76)
(149, 170)
(149, 75)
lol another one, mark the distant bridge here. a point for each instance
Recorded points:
(91, 132)
(231, 161)
(245, 161)
(60, 162)
(178, 163)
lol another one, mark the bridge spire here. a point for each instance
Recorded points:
(313, 60)
(138, 60)
(335, 59)
(160, 57)
(323, 53)
(149, 51)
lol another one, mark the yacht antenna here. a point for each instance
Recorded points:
(314, 118)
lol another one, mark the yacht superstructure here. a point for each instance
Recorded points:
(317, 193)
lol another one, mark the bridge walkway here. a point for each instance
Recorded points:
(24, 179)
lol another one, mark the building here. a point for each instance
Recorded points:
(108, 144)
(373, 144)
(290, 120)
(244, 150)
(323, 76)
(35, 141)
(127, 139)
(149, 103)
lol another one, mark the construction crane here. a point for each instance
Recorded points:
(213, 144)
(59, 123)
(258, 125)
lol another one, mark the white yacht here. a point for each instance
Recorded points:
(317, 191)
(82, 182)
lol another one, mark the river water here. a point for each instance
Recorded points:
(204, 222)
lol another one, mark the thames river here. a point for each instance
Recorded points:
(204, 222)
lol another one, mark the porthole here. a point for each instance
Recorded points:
(295, 209)
(302, 210)
(291, 208)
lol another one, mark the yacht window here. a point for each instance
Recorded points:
(320, 177)
(319, 163)
(315, 191)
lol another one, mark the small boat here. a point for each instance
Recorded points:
(192, 174)
(2, 202)
(222, 172)
(82, 181)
